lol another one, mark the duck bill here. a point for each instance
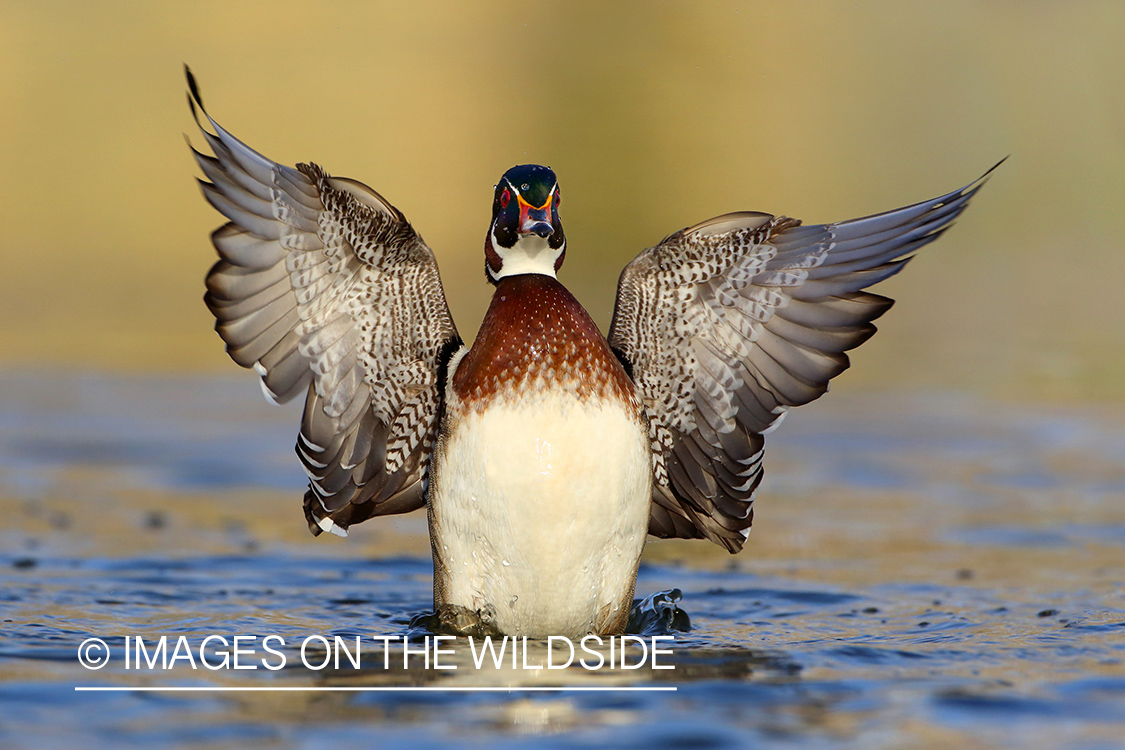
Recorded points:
(535, 220)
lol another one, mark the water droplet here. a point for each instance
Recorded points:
(505, 563)
(512, 603)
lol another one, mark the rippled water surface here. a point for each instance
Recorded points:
(924, 571)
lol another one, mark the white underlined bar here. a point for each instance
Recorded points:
(406, 689)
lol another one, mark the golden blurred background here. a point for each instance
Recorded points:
(655, 115)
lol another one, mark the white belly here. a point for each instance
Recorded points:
(538, 513)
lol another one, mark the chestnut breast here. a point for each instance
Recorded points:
(536, 335)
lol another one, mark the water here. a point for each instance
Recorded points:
(924, 571)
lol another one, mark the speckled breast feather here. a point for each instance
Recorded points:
(536, 332)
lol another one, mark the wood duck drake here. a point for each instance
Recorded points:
(545, 452)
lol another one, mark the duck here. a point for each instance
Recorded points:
(546, 453)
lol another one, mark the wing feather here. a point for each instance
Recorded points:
(247, 251)
(726, 325)
(323, 287)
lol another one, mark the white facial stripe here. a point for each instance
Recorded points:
(552, 198)
(530, 254)
(516, 190)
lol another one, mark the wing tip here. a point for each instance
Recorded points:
(193, 86)
(984, 177)
(970, 190)
(194, 98)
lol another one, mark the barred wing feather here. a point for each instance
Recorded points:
(324, 288)
(727, 324)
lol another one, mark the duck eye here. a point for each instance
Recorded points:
(505, 198)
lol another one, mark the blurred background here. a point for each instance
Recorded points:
(937, 555)
(655, 115)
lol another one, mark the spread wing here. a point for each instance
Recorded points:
(324, 288)
(727, 324)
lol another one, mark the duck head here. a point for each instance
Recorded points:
(526, 235)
